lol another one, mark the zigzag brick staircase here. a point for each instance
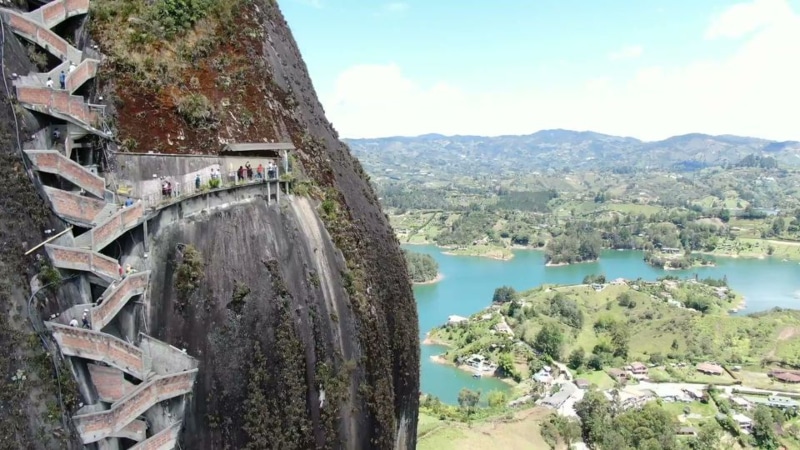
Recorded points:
(32, 92)
(163, 371)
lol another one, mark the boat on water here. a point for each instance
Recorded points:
(476, 375)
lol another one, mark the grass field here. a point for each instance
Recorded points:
(520, 433)
(760, 380)
(633, 208)
(486, 251)
(598, 378)
(689, 375)
(707, 410)
(758, 248)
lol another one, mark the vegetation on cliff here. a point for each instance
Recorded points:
(185, 76)
(197, 63)
(31, 393)
(422, 267)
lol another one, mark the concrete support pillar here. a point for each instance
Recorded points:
(269, 192)
(278, 191)
(108, 444)
(127, 321)
(144, 230)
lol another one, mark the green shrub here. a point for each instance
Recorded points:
(178, 16)
(189, 274)
(48, 275)
(196, 109)
(214, 183)
(329, 207)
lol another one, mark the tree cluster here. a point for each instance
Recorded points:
(603, 425)
(421, 267)
(575, 245)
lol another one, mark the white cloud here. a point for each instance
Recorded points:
(744, 18)
(395, 7)
(629, 52)
(751, 92)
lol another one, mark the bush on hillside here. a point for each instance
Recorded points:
(196, 109)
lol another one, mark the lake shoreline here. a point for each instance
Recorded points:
(439, 277)
(439, 359)
(484, 255)
(433, 341)
(563, 264)
(469, 283)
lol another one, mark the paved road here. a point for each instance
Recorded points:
(568, 408)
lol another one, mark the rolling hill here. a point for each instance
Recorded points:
(555, 150)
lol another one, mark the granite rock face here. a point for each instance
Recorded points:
(300, 311)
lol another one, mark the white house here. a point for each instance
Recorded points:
(453, 320)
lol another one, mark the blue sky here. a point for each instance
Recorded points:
(643, 68)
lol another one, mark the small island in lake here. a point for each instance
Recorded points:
(676, 259)
(575, 245)
(422, 268)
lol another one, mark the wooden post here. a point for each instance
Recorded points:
(47, 241)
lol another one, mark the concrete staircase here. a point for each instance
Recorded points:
(112, 227)
(28, 27)
(32, 92)
(98, 346)
(57, 11)
(164, 440)
(60, 104)
(82, 73)
(110, 383)
(95, 426)
(115, 297)
(76, 208)
(104, 269)
(165, 372)
(52, 161)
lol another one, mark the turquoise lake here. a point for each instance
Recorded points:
(469, 283)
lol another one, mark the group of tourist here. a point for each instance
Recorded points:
(84, 321)
(166, 188)
(62, 78)
(246, 172)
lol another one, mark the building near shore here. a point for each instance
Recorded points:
(455, 320)
(710, 369)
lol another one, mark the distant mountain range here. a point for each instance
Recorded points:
(557, 149)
